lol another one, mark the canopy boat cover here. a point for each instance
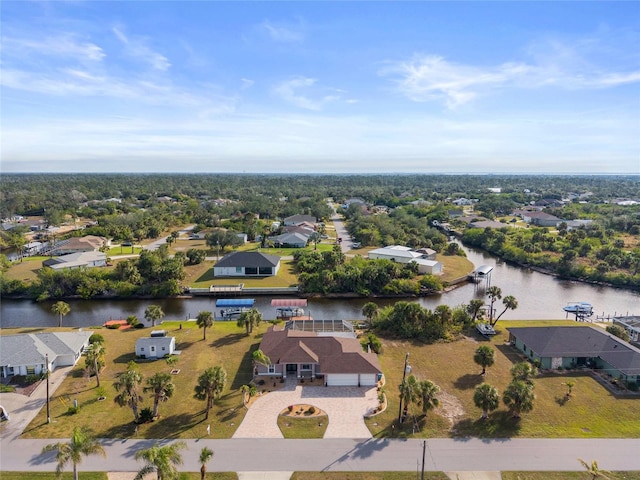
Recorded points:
(235, 302)
(289, 302)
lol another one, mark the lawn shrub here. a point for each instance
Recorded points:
(146, 415)
(73, 409)
(96, 338)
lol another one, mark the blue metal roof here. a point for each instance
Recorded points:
(235, 302)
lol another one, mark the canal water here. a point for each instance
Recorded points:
(539, 296)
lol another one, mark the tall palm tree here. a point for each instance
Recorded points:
(205, 455)
(204, 321)
(162, 387)
(524, 371)
(510, 303)
(61, 309)
(428, 395)
(475, 308)
(484, 356)
(95, 359)
(82, 444)
(486, 398)
(153, 313)
(162, 460)
(370, 311)
(409, 391)
(260, 358)
(250, 319)
(210, 386)
(494, 293)
(518, 396)
(128, 387)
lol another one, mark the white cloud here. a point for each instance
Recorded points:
(246, 83)
(61, 45)
(136, 47)
(313, 98)
(282, 33)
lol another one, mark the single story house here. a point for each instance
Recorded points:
(401, 254)
(88, 243)
(244, 264)
(292, 240)
(26, 354)
(157, 345)
(631, 324)
(77, 260)
(340, 360)
(298, 219)
(488, 224)
(570, 347)
(541, 219)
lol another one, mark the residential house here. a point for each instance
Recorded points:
(340, 360)
(26, 354)
(540, 219)
(244, 264)
(292, 240)
(88, 243)
(298, 219)
(488, 224)
(401, 254)
(157, 345)
(576, 346)
(77, 260)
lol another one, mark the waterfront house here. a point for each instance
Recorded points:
(339, 360)
(401, 254)
(157, 345)
(631, 323)
(26, 354)
(245, 264)
(77, 260)
(579, 346)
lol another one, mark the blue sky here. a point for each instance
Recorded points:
(320, 87)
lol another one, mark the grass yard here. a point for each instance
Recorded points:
(454, 267)
(366, 476)
(286, 277)
(115, 251)
(567, 475)
(301, 427)
(103, 475)
(182, 416)
(26, 270)
(451, 366)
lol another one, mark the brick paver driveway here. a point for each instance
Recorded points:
(345, 407)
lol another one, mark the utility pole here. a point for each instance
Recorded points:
(424, 449)
(46, 359)
(407, 368)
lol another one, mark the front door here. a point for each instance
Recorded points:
(292, 368)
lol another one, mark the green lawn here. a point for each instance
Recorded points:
(115, 251)
(366, 476)
(303, 427)
(286, 277)
(451, 366)
(26, 269)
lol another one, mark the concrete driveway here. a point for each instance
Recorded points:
(345, 407)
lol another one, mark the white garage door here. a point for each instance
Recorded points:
(368, 379)
(342, 379)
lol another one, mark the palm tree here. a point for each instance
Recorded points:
(519, 397)
(259, 358)
(132, 320)
(95, 359)
(162, 387)
(510, 303)
(61, 309)
(428, 395)
(162, 460)
(409, 392)
(484, 357)
(128, 386)
(475, 308)
(486, 398)
(205, 455)
(82, 444)
(494, 293)
(210, 386)
(593, 469)
(204, 321)
(570, 384)
(153, 313)
(250, 319)
(370, 311)
(524, 371)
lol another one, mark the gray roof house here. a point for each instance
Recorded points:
(291, 239)
(26, 354)
(401, 254)
(77, 260)
(570, 347)
(157, 345)
(340, 360)
(244, 264)
(298, 219)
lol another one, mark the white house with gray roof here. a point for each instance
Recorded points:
(401, 254)
(157, 345)
(25, 354)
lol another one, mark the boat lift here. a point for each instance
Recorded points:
(287, 308)
(582, 310)
(233, 307)
(483, 272)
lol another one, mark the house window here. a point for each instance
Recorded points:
(238, 269)
(31, 370)
(271, 369)
(251, 270)
(265, 271)
(305, 366)
(163, 349)
(142, 349)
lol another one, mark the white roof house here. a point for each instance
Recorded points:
(26, 354)
(401, 254)
(157, 345)
(77, 260)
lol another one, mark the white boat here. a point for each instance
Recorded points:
(485, 329)
(286, 312)
(579, 308)
(232, 312)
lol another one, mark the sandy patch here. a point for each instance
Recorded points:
(450, 407)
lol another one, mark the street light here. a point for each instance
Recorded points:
(46, 359)
(407, 369)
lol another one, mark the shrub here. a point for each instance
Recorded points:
(139, 325)
(72, 410)
(146, 415)
(31, 379)
(290, 408)
(96, 338)
(312, 410)
(113, 326)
